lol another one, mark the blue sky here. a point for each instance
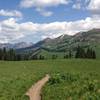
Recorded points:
(61, 13)
(33, 20)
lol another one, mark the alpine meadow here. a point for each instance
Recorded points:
(50, 50)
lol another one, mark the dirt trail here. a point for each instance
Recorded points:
(34, 92)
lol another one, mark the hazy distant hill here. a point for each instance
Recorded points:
(15, 45)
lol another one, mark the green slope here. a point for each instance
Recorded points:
(64, 44)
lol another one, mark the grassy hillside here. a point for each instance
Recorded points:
(17, 77)
(60, 55)
(48, 54)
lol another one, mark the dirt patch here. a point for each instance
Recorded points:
(34, 92)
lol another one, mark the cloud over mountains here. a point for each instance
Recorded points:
(12, 29)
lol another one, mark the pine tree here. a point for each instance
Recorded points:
(4, 54)
(54, 56)
(41, 57)
(65, 56)
(18, 57)
(70, 54)
(90, 54)
(80, 52)
(0, 54)
(93, 54)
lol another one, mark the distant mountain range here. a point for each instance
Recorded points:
(61, 44)
(16, 45)
(65, 41)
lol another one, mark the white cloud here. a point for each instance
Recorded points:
(41, 5)
(44, 12)
(12, 13)
(11, 30)
(77, 6)
(94, 6)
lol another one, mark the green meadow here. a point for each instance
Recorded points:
(71, 79)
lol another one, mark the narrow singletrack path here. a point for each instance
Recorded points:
(34, 92)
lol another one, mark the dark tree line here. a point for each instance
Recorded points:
(85, 53)
(69, 55)
(12, 55)
(9, 54)
(37, 57)
(54, 56)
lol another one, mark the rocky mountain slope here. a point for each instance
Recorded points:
(65, 43)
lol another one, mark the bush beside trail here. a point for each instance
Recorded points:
(75, 86)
